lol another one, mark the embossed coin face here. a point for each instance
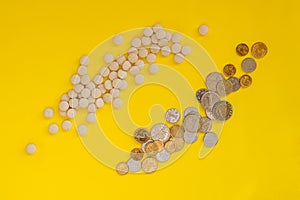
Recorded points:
(144, 145)
(212, 79)
(163, 156)
(191, 123)
(259, 50)
(134, 165)
(235, 83)
(137, 154)
(177, 131)
(245, 80)
(151, 148)
(190, 137)
(209, 99)
(172, 115)
(199, 93)
(160, 132)
(248, 65)
(242, 49)
(222, 110)
(224, 88)
(229, 70)
(205, 124)
(190, 110)
(149, 165)
(141, 135)
(209, 114)
(122, 168)
(210, 139)
(179, 143)
(170, 146)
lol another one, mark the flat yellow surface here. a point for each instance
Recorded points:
(258, 155)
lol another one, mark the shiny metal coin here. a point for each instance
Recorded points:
(190, 110)
(172, 115)
(141, 135)
(224, 88)
(170, 146)
(199, 93)
(190, 137)
(191, 123)
(242, 49)
(209, 114)
(177, 131)
(160, 132)
(210, 139)
(259, 50)
(134, 165)
(209, 99)
(212, 79)
(122, 168)
(245, 81)
(248, 65)
(205, 124)
(179, 143)
(144, 145)
(137, 154)
(229, 70)
(163, 156)
(149, 165)
(222, 110)
(235, 83)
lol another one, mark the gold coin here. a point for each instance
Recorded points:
(159, 144)
(137, 154)
(154, 147)
(170, 146)
(229, 70)
(259, 50)
(242, 49)
(141, 135)
(245, 80)
(122, 168)
(177, 131)
(179, 142)
(149, 165)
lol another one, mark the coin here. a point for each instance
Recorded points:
(209, 114)
(205, 124)
(222, 110)
(177, 131)
(163, 156)
(144, 145)
(122, 168)
(151, 148)
(134, 165)
(224, 88)
(209, 99)
(137, 154)
(190, 110)
(199, 93)
(245, 80)
(248, 65)
(170, 146)
(179, 143)
(212, 79)
(160, 132)
(191, 123)
(149, 165)
(141, 135)
(172, 115)
(259, 50)
(190, 137)
(242, 49)
(235, 83)
(229, 70)
(210, 139)
(159, 144)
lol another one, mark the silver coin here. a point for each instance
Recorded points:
(172, 115)
(191, 123)
(149, 165)
(144, 145)
(235, 83)
(134, 165)
(205, 124)
(222, 110)
(190, 110)
(160, 132)
(163, 156)
(224, 88)
(209, 99)
(179, 143)
(210, 139)
(248, 65)
(209, 114)
(190, 137)
(212, 79)
(199, 93)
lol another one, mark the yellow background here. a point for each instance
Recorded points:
(258, 156)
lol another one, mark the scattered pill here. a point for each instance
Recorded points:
(148, 31)
(156, 28)
(143, 52)
(140, 64)
(186, 50)
(74, 103)
(72, 94)
(146, 41)
(176, 38)
(126, 65)
(121, 59)
(108, 58)
(155, 48)
(160, 34)
(84, 60)
(154, 39)
(179, 58)
(96, 93)
(98, 79)
(75, 79)
(83, 102)
(203, 29)
(165, 51)
(108, 85)
(82, 130)
(132, 57)
(65, 97)
(117, 103)
(48, 113)
(176, 48)
(78, 88)
(122, 74)
(163, 42)
(136, 42)
(71, 113)
(134, 70)
(153, 68)
(104, 71)
(115, 92)
(116, 83)
(63, 106)
(91, 118)
(139, 79)
(82, 70)
(132, 50)
(90, 85)
(151, 58)
(91, 100)
(113, 75)
(30, 149)
(118, 39)
(85, 93)
(53, 128)
(168, 36)
(123, 84)
(66, 125)
(85, 79)
(107, 98)
(92, 108)
(114, 66)
(99, 103)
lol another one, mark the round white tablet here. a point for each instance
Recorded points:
(72, 94)
(91, 118)
(63, 106)
(108, 58)
(146, 41)
(104, 71)
(168, 36)
(160, 34)
(179, 58)
(136, 42)
(113, 75)
(108, 85)
(82, 129)
(90, 85)
(116, 83)
(71, 113)
(151, 58)
(78, 88)
(153, 68)
(118, 39)
(140, 64)
(117, 103)
(132, 50)
(132, 57)
(53, 128)
(134, 70)
(96, 93)
(176, 48)
(66, 125)
(65, 97)
(85, 93)
(30, 149)
(154, 39)
(163, 42)
(121, 59)
(83, 102)
(122, 74)
(98, 79)
(176, 38)
(107, 98)
(85, 79)
(143, 52)
(48, 113)
(165, 51)
(148, 31)
(126, 65)
(114, 66)
(84, 60)
(156, 27)
(75, 79)
(82, 70)
(114, 92)
(203, 29)
(186, 50)
(74, 103)
(92, 108)
(154, 48)
(139, 79)
(99, 103)
(123, 85)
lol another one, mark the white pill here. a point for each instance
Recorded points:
(63, 106)
(108, 85)
(91, 118)
(114, 66)
(66, 125)
(96, 93)
(154, 39)
(78, 88)
(92, 108)
(72, 94)
(153, 68)
(151, 58)
(116, 83)
(148, 31)
(136, 42)
(186, 50)
(30, 149)
(160, 34)
(176, 38)
(63, 113)
(91, 100)
(104, 72)
(139, 79)
(48, 113)
(165, 51)
(176, 48)
(85, 93)
(203, 29)
(53, 128)
(146, 41)
(83, 102)
(102, 88)
(71, 113)
(82, 70)
(132, 50)
(98, 79)
(140, 64)
(134, 70)
(157, 27)
(132, 57)
(74, 103)
(154, 48)
(108, 58)
(85, 79)
(99, 103)
(115, 92)
(117, 103)
(143, 52)
(90, 85)
(84, 60)
(123, 85)
(113, 75)
(65, 97)
(179, 58)
(163, 42)
(122, 74)
(168, 36)
(118, 39)
(121, 59)
(82, 130)
(107, 98)
(75, 79)
(126, 65)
